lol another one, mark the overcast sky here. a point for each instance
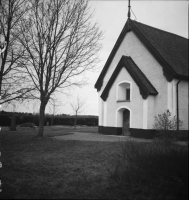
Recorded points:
(171, 16)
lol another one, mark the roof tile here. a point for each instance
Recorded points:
(169, 49)
(173, 48)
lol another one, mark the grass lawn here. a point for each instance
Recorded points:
(52, 169)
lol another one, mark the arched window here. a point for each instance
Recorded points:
(124, 91)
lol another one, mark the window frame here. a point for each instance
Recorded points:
(118, 90)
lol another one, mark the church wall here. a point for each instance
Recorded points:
(166, 99)
(183, 103)
(151, 112)
(136, 119)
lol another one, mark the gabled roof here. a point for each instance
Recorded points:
(170, 50)
(145, 87)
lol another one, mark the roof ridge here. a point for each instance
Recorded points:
(159, 29)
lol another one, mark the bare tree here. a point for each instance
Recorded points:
(61, 43)
(12, 83)
(78, 107)
(53, 109)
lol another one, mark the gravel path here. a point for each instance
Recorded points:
(97, 137)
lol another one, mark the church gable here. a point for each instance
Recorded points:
(141, 80)
(168, 49)
(145, 87)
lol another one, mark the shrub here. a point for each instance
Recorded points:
(151, 171)
(28, 124)
(166, 127)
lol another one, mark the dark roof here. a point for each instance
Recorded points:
(145, 87)
(170, 50)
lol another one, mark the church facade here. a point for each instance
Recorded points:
(145, 75)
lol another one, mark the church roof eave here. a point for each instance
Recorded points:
(145, 87)
(174, 64)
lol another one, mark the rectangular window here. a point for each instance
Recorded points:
(128, 94)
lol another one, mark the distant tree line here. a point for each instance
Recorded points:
(5, 119)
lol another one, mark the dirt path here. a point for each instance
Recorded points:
(97, 137)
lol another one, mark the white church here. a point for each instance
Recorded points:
(145, 74)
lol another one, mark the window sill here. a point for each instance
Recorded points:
(123, 101)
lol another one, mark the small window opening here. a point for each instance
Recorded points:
(124, 92)
(128, 94)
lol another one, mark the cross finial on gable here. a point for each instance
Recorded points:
(129, 13)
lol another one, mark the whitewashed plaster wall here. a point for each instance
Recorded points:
(151, 111)
(166, 99)
(183, 103)
(183, 100)
(100, 111)
(132, 46)
(136, 115)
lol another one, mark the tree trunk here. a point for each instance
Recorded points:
(0, 82)
(41, 119)
(1, 72)
(13, 123)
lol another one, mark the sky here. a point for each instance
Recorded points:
(171, 16)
